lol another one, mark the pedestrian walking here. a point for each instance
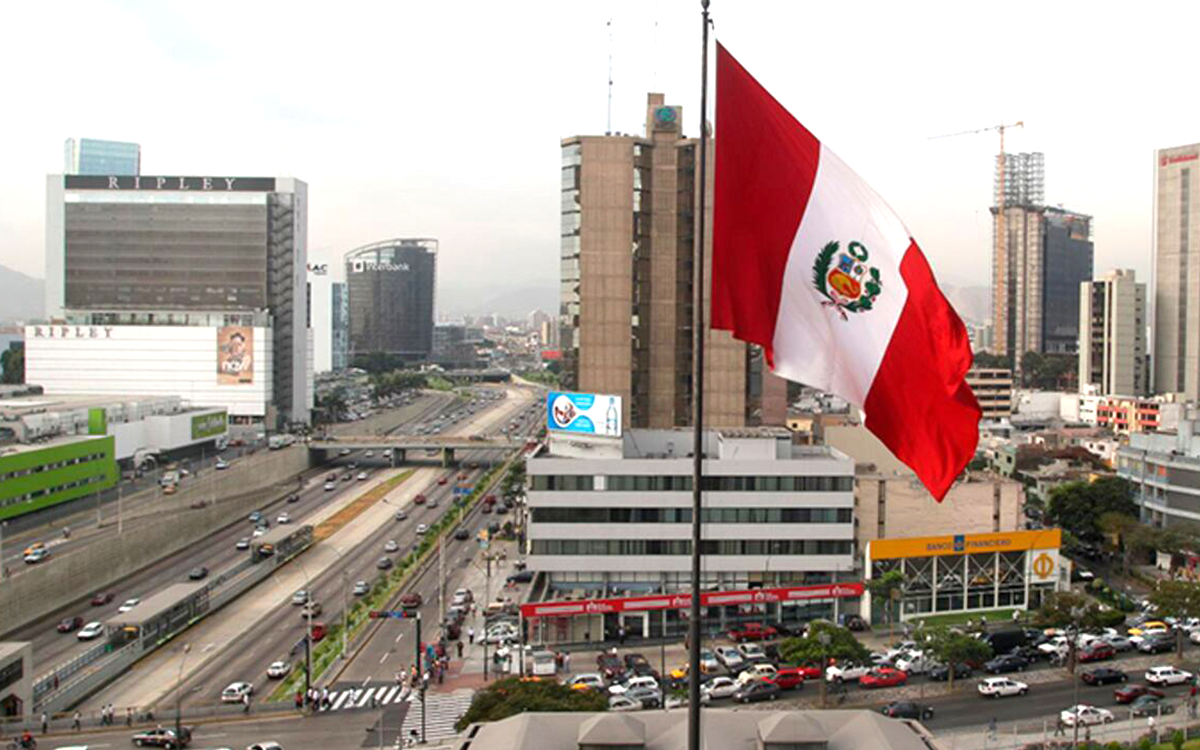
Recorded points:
(992, 728)
(75, 723)
(983, 623)
(567, 661)
(1016, 616)
(471, 635)
(299, 700)
(246, 703)
(129, 717)
(45, 723)
(460, 648)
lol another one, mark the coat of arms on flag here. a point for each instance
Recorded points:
(850, 285)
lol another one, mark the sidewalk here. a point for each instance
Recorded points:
(1017, 736)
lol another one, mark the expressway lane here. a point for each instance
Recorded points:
(217, 551)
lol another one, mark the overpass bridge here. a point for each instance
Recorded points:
(446, 450)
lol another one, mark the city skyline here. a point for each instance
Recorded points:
(381, 167)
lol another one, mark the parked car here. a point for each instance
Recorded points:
(757, 672)
(752, 631)
(521, 576)
(758, 690)
(1121, 642)
(1006, 663)
(99, 600)
(649, 697)
(70, 624)
(624, 703)
(279, 669)
(854, 623)
(883, 677)
(789, 678)
(1157, 643)
(587, 681)
(1085, 715)
(1097, 651)
(907, 710)
(730, 657)
(753, 653)
(999, 687)
(1167, 676)
(846, 672)
(941, 673)
(1150, 705)
(1103, 676)
(1130, 693)
(637, 681)
(610, 666)
(708, 661)
(236, 692)
(720, 687)
(163, 737)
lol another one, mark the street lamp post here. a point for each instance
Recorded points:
(1072, 645)
(187, 647)
(825, 639)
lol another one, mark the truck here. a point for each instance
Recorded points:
(280, 441)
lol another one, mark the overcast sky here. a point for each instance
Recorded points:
(443, 119)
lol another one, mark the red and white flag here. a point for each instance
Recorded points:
(810, 263)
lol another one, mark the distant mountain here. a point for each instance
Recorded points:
(973, 303)
(21, 297)
(506, 301)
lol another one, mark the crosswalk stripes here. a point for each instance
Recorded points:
(441, 712)
(371, 697)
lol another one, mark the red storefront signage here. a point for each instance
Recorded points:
(683, 601)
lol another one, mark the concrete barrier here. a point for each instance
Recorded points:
(237, 491)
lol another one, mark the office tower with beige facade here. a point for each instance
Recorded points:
(992, 387)
(1040, 256)
(628, 233)
(1112, 335)
(1177, 272)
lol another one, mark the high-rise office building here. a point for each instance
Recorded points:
(340, 325)
(391, 286)
(1177, 271)
(627, 244)
(96, 157)
(1038, 261)
(177, 286)
(320, 316)
(1112, 335)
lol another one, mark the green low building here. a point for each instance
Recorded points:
(38, 475)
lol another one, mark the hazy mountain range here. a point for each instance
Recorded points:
(21, 297)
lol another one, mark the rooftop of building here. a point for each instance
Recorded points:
(726, 729)
(13, 448)
(725, 443)
(17, 405)
(10, 648)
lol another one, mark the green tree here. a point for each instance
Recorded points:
(953, 648)
(1058, 610)
(512, 696)
(13, 363)
(1078, 506)
(989, 360)
(1179, 599)
(888, 588)
(823, 641)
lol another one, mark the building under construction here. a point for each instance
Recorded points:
(1040, 256)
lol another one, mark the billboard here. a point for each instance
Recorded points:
(684, 600)
(208, 425)
(583, 413)
(964, 544)
(235, 355)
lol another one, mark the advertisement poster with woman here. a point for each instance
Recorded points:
(235, 355)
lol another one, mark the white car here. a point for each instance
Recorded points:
(1056, 645)
(222, 464)
(621, 703)
(90, 631)
(36, 555)
(283, 518)
(300, 597)
(128, 604)
(259, 531)
(757, 672)
(645, 681)
(1167, 676)
(998, 687)
(1085, 715)
(501, 633)
(913, 662)
(370, 454)
(900, 648)
(847, 672)
(279, 669)
(708, 661)
(729, 656)
(720, 687)
(590, 680)
(751, 651)
(236, 691)
(422, 528)
(391, 546)
(362, 476)
(462, 596)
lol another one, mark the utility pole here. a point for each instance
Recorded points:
(345, 583)
(179, 694)
(441, 580)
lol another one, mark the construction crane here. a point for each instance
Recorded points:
(1001, 195)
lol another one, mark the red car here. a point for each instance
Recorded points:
(70, 624)
(490, 499)
(410, 601)
(1130, 693)
(419, 499)
(883, 677)
(442, 480)
(1098, 652)
(99, 600)
(790, 678)
(752, 631)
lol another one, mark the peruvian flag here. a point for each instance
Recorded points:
(811, 264)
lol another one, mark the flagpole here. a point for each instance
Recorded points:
(698, 335)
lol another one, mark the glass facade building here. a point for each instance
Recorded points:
(341, 326)
(1068, 249)
(391, 288)
(97, 157)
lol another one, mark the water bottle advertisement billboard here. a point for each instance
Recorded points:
(584, 413)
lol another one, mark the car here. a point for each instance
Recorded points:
(1167, 676)
(587, 681)
(1103, 676)
(294, 497)
(757, 672)
(258, 531)
(708, 661)
(70, 624)
(362, 476)
(330, 486)
(720, 687)
(383, 563)
(752, 631)
(442, 481)
(462, 596)
(198, 573)
(128, 604)
(104, 597)
(1121, 642)
(753, 653)
(1150, 705)
(941, 673)
(312, 609)
(255, 517)
(419, 499)
(521, 576)
(461, 533)
(411, 600)
(1006, 663)
(1097, 651)
(1157, 643)
(401, 515)
(1085, 715)
(999, 687)
(221, 464)
(907, 710)
(279, 669)
(361, 588)
(37, 555)
(649, 697)
(348, 476)
(391, 546)
(883, 677)
(637, 681)
(624, 703)
(1148, 626)
(730, 657)
(758, 690)
(846, 672)
(1130, 693)
(609, 665)
(431, 502)
(90, 631)
(283, 518)
(236, 692)
(789, 678)
(243, 544)
(370, 454)
(422, 529)
(300, 598)
(913, 662)
(163, 737)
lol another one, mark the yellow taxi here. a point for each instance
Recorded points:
(35, 547)
(1153, 625)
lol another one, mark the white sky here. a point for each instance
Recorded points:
(443, 119)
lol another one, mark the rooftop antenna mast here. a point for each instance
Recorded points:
(608, 128)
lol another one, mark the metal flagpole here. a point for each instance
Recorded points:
(698, 334)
